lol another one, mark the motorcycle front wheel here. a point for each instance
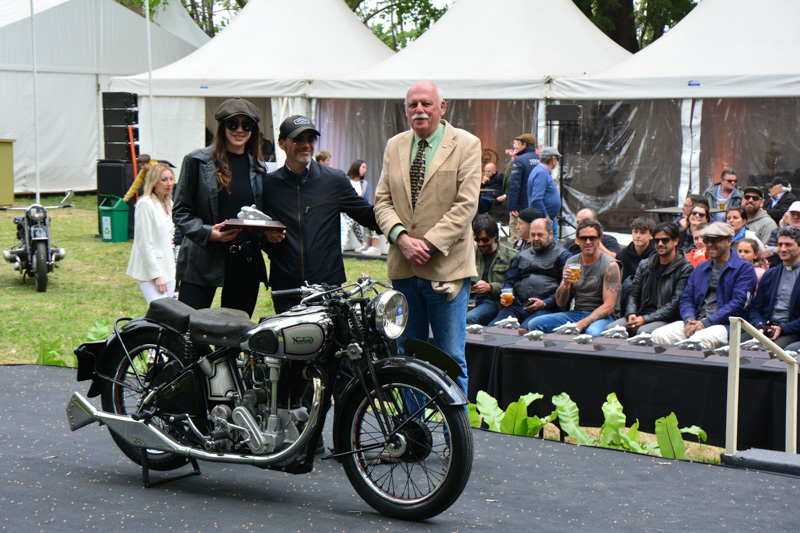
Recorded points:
(424, 466)
(40, 267)
(152, 358)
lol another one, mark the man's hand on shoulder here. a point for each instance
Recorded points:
(416, 251)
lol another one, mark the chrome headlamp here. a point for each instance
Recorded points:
(389, 314)
(37, 212)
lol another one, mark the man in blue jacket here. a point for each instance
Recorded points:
(776, 309)
(524, 161)
(718, 289)
(542, 190)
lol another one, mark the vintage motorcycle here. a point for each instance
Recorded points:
(180, 385)
(34, 255)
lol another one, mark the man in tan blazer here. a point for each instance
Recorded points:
(425, 203)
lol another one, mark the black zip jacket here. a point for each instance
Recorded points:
(309, 205)
(669, 288)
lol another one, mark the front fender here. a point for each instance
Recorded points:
(446, 389)
(92, 360)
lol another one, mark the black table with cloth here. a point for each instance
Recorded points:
(649, 386)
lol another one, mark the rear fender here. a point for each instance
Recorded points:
(92, 356)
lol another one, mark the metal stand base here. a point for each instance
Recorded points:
(146, 472)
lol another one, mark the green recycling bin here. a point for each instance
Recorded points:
(113, 219)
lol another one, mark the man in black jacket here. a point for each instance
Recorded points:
(525, 159)
(657, 285)
(307, 197)
(781, 197)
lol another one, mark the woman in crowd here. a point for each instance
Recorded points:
(357, 174)
(152, 261)
(699, 214)
(736, 217)
(698, 254)
(685, 220)
(216, 182)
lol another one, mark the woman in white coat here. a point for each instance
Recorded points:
(152, 261)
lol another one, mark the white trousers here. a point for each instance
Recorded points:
(151, 293)
(711, 337)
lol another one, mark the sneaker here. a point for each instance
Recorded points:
(371, 251)
(362, 248)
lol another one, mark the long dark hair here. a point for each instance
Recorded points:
(220, 151)
(355, 169)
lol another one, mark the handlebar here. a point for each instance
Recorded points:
(287, 293)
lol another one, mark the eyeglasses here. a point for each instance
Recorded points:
(588, 238)
(698, 214)
(713, 240)
(752, 197)
(300, 139)
(483, 240)
(247, 125)
(661, 240)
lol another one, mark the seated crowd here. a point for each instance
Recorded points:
(676, 280)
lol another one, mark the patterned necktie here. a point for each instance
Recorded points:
(417, 171)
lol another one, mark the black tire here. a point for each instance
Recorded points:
(415, 478)
(122, 400)
(40, 267)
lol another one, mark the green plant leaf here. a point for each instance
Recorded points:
(535, 424)
(612, 428)
(670, 441)
(515, 419)
(51, 353)
(474, 417)
(697, 432)
(489, 410)
(99, 331)
(569, 420)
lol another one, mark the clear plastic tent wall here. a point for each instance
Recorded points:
(757, 137)
(359, 129)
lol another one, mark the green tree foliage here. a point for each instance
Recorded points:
(397, 22)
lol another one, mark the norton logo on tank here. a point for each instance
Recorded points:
(302, 339)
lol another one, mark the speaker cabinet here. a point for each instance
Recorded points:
(114, 177)
(562, 113)
(119, 112)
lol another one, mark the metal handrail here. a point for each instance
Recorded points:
(732, 416)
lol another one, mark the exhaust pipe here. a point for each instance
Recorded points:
(80, 413)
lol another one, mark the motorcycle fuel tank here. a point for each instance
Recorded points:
(297, 334)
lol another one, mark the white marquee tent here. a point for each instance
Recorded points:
(268, 54)
(80, 44)
(734, 67)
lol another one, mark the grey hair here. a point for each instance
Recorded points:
(439, 94)
(546, 159)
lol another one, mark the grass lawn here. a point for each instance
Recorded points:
(87, 287)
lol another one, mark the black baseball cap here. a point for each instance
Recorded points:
(294, 125)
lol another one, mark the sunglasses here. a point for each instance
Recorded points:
(588, 238)
(713, 240)
(483, 240)
(731, 181)
(661, 240)
(247, 125)
(300, 139)
(698, 214)
(752, 197)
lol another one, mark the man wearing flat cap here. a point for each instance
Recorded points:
(542, 190)
(524, 161)
(780, 197)
(308, 198)
(718, 289)
(758, 220)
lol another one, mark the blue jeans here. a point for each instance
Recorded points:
(483, 312)
(547, 323)
(447, 320)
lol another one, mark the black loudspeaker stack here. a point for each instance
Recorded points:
(120, 110)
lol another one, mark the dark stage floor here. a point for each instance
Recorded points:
(55, 480)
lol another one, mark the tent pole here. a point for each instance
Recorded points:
(150, 74)
(35, 113)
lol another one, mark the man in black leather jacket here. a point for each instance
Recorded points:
(657, 285)
(307, 197)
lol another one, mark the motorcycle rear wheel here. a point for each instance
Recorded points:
(120, 399)
(428, 464)
(40, 267)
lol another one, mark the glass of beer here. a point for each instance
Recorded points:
(575, 268)
(507, 297)
(722, 204)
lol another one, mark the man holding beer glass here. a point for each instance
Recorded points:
(592, 278)
(724, 194)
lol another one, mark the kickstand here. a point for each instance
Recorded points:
(146, 472)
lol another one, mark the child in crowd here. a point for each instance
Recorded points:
(698, 254)
(749, 250)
